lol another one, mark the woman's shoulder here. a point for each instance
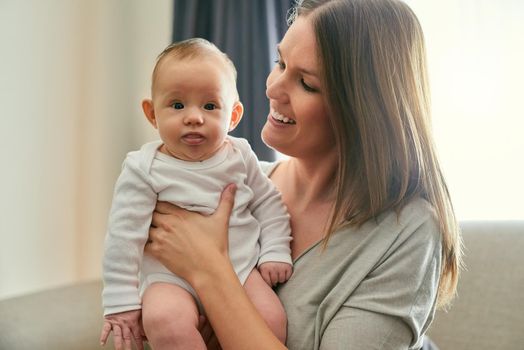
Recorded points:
(415, 222)
(418, 217)
(268, 167)
(411, 234)
(417, 208)
(414, 213)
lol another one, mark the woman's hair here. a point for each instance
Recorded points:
(373, 63)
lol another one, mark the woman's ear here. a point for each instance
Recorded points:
(236, 115)
(149, 111)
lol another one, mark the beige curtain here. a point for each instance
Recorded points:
(72, 76)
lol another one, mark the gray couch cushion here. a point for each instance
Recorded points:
(489, 310)
(63, 318)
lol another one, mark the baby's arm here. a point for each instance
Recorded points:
(129, 221)
(275, 236)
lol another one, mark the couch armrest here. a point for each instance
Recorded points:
(69, 317)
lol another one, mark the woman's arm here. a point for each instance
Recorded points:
(363, 329)
(194, 247)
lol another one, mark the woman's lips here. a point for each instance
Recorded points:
(276, 122)
(281, 118)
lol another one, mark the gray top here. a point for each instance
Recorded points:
(374, 287)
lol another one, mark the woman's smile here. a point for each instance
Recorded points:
(281, 118)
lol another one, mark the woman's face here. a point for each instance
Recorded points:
(298, 124)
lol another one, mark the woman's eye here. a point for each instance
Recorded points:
(209, 106)
(177, 105)
(280, 64)
(306, 86)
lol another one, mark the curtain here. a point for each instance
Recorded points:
(248, 32)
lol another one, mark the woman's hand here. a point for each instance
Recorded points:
(189, 243)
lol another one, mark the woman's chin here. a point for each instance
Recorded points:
(283, 143)
(267, 138)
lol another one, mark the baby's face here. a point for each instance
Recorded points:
(193, 101)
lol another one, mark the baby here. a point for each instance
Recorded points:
(194, 104)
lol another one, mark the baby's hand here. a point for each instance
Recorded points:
(125, 326)
(275, 272)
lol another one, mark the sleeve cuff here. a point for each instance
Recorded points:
(275, 257)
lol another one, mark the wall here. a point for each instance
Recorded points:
(72, 75)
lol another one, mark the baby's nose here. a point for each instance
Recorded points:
(193, 117)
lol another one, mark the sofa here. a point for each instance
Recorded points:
(488, 313)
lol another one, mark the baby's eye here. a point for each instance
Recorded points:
(177, 105)
(209, 106)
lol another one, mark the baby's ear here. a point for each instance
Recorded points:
(236, 115)
(149, 111)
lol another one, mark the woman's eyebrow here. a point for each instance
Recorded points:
(300, 69)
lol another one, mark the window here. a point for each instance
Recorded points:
(476, 66)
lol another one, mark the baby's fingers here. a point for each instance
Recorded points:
(265, 276)
(106, 329)
(282, 276)
(127, 338)
(137, 336)
(274, 277)
(117, 337)
(289, 271)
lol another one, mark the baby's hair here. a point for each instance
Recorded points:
(192, 48)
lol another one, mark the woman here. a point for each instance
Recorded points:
(375, 243)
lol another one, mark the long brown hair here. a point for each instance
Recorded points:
(373, 63)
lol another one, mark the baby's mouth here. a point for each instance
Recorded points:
(193, 138)
(281, 118)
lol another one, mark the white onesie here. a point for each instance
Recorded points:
(259, 228)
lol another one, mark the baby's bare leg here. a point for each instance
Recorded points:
(170, 318)
(267, 304)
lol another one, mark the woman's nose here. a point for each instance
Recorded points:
(275, 86)
(193, 117)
